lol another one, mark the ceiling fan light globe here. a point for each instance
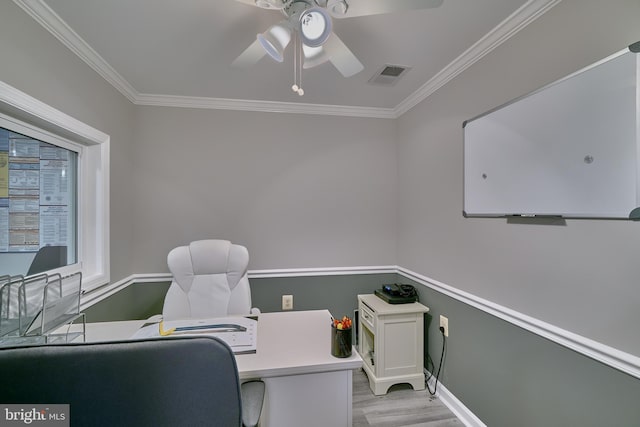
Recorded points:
(337, 7)
(270, 48)
(314, 26)
(275, 40)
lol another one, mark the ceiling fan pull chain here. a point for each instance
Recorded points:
(299, 52)
(297, 67)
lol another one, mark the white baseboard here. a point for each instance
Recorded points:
(463, 413)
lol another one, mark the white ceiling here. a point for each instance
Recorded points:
(179, 52)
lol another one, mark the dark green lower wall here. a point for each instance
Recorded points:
(338, 294)
(508, 376)
(505, 375)
(135, 302)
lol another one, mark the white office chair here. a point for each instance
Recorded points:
(209, 280)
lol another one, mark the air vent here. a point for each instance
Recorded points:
(389, 75)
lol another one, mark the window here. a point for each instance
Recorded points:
(38, 186)
(54, 189)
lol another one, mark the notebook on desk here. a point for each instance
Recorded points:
(240, 333)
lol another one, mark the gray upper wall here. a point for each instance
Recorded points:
(583, 276)
(297, 190)
(310, 191)
(36, 63)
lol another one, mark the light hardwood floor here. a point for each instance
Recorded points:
(400, 407)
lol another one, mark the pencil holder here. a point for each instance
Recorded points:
(340, 342)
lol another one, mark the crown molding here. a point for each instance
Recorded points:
(518, 20)
(50, 20)
(263, 106)
(46, 17)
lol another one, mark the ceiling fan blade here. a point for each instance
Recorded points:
(376, 7)
(250, 56)
(341, 57)
(314, 56)
(251, 2)
(265, 4)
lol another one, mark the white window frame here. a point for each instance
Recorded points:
(93, 178)
(40, 135)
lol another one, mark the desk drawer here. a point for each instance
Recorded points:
(367, 317)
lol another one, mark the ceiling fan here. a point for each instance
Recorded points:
(310, 23)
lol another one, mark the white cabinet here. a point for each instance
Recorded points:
(390, 342)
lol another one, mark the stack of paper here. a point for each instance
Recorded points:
(240, 333)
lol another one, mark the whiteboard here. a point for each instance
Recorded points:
(569, 149)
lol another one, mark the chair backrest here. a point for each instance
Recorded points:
(156, 382)
(209, 280)
(47, 258)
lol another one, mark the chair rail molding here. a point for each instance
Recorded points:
(322, 271)
(617, 359)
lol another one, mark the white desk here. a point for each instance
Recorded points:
(305, 384)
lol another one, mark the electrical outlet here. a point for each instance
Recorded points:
(287, 302)
(444, 324)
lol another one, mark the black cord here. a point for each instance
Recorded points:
(442, 356)
(429, 371)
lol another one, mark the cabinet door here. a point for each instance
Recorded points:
(401, 354)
